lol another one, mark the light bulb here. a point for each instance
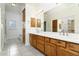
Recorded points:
(13, 4)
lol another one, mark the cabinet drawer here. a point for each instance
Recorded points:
(46, 39)
(40, 38)
(50, 49)
(66, 52)
(54, 41)
(61, 43)
(40, 41)
(74, 47)
(40, 47)
(34, 43)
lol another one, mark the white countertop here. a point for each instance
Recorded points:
(70, 37)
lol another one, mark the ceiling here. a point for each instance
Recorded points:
(18, 7)
(43, 6)
(38, 6)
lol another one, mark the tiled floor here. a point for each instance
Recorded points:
(13, 47)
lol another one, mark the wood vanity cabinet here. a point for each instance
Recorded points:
(40, 43)
(50, 50)
(53, 41)
(33, 40)
(58, 42)
(65, 52)
(73, 47)
(64, 48)
(40, 47)
(37, 42)
(54, 47)
(47, 47)
(61, 43)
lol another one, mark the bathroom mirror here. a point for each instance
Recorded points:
(59, 25)
(63, 18)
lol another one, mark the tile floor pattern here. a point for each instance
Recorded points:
(14, 47)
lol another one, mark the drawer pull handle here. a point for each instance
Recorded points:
(59, 42)
(71, 46)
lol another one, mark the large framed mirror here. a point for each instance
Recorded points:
(62, 18)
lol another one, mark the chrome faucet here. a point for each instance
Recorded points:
(66, 33)
(63, 33)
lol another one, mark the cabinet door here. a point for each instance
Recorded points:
(40, 43)
(53, 50)
(50, 50)
(40, 47)
(73, 46)
(64, 52)
(47, 50)
(33, 40)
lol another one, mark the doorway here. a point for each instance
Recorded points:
(23, 28)
(54, 26)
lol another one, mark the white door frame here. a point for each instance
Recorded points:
(0, 30)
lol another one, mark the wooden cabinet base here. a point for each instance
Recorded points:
(64, 52)
(40, 47)
(50, 50)
(54, 47)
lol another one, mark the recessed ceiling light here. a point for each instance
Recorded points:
(13, 4)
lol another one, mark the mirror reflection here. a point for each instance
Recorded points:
(63, 18)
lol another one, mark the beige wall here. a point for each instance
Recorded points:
(32, 10)
(2, 29)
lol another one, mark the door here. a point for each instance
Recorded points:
(54, 26)
(44, 25)
(23, 29)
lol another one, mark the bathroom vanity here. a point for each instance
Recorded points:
(54, 44)
(59, 35)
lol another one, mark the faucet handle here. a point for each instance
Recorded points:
(66, 33)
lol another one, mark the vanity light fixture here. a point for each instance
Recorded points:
(13, 4)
